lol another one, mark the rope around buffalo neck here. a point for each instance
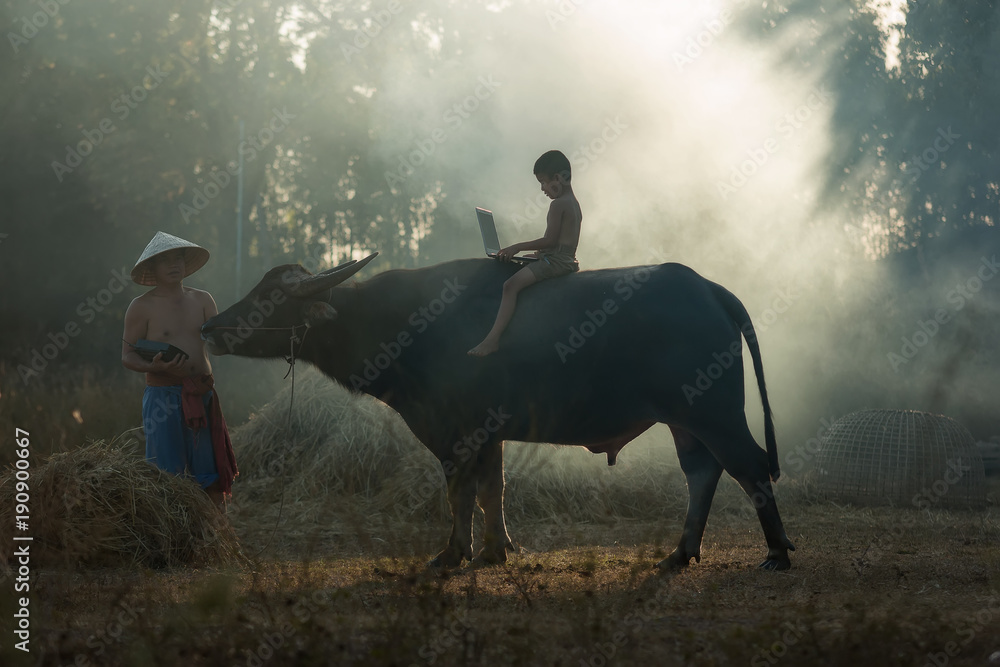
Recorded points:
(288, 426)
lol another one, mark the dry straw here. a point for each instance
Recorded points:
(342, 459)
(104, 505)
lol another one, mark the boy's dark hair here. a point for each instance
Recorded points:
(553, 163)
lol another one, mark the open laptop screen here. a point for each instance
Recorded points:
(489, 229)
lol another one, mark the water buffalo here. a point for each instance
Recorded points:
(592, 359)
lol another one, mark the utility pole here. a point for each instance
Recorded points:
(239, 216)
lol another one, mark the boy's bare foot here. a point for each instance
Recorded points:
(486, 347)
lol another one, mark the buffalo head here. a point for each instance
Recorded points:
(284, 302)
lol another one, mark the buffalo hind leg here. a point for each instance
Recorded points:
(496, 541)
(461, 498)
(778, 544)
(702, 472)
(747, 463)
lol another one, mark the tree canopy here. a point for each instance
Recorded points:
(123, 117)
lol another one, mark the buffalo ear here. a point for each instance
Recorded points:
(319, 312)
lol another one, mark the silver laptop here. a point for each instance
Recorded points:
(490, 239)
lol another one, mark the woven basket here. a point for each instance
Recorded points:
(903, 458)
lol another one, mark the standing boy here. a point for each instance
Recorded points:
(557, 248)
(185, 431)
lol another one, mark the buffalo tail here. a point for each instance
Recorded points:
(736, 311)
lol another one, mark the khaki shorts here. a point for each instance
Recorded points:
(559, 262)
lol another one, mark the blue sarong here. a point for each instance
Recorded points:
(171, 445)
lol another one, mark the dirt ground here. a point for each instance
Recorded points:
(867, 587)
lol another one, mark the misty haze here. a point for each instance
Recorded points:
(832, 163)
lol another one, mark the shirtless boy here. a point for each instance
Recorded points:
(557, 248)
(179, 392)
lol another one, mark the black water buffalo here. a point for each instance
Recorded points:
(592, 359)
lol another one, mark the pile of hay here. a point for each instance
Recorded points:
(338, 446)
(104, 505)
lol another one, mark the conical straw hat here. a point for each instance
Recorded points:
(194, 257)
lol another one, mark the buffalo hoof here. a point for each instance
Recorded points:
(776, 564)
(486, 559)
(483, 561)
(675, 561)
(777, 557)
(447, 558)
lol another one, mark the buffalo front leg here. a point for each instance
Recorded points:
(461, 498)
(496, 541)
(702, 472)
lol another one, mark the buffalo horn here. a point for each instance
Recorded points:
(330, 277)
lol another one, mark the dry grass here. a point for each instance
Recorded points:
(104, 505)
(335, 443)
(343, 465)
(601, 603)
(344, 582)
(67, 405)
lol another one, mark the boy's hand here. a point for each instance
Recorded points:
(172, 367)
(505, 254)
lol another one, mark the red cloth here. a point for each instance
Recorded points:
(193, 388)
